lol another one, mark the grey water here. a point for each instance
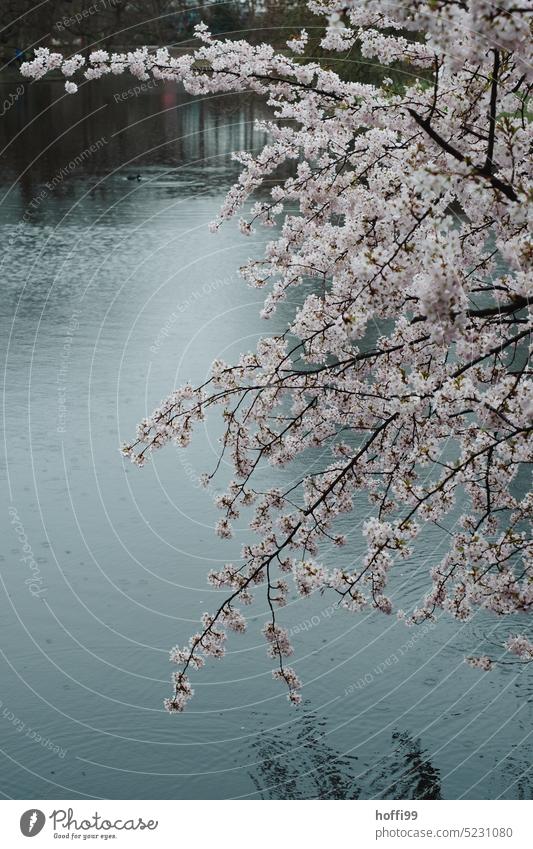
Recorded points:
(114, 292)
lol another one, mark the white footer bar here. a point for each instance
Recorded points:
(268, 825)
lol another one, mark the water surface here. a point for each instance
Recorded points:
(114, 292)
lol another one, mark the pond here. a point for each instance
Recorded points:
(114, 291)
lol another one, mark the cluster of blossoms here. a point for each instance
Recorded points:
(290, 678)
(406, 361)
(520, 646)
(484, 662)
(517, 645)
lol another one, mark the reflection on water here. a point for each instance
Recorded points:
(411, 775)
(300, 764)
(113, 292)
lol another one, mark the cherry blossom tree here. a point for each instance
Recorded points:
(405, 211)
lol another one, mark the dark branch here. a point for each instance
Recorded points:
(498, 184)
